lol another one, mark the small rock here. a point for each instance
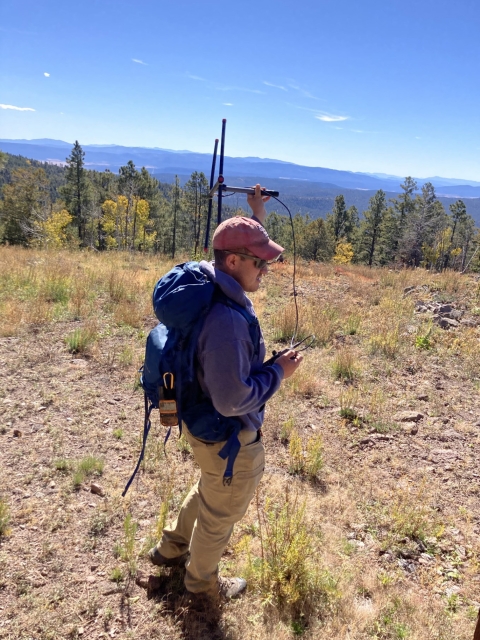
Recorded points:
(97, 489)
(445, 308)
(423, 397)
(408, 416)
(17, 433)
(41, 408)
(454, 315)
(412, 428)
(426, 557)
(445, 323)
(150, 583)
(358, 543)
(408, 290)
(447, 453)
(80, 631)
(366, 441)
(79, 362)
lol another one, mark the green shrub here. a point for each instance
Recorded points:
(91, 465)
(314, 456)
(344, 366)
(61, 464)
(286, 572)
(4, 517)
(126, 551)
(80, 340)
(87, 467)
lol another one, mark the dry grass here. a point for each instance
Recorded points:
(364, 529)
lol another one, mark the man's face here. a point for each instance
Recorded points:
(244, 271)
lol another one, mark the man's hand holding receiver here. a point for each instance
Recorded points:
(257, 204)
(290, 361)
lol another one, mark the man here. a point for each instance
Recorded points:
(231, 374)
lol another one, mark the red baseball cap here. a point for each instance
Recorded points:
(239, 232)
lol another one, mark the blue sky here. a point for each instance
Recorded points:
(373, 85)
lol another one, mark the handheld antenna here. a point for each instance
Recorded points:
(210, 201)
(220, 187)
(220, 172)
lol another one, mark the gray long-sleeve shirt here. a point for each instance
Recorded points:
(229, 372)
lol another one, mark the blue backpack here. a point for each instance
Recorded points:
(181, 302)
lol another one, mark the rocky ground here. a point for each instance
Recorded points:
(391, 390)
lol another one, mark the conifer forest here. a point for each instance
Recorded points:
(45, 205)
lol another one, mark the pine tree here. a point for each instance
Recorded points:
(77, 190)
(195, 208)
(422, 226)
(176, 194)
(338, 219)
(128, 185)
(459, 216)
(317, 242)
(371, 227)
(25, 201)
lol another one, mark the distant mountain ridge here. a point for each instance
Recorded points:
(166, 161)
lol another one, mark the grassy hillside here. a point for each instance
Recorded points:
(366, 525)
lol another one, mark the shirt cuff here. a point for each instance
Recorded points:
(257, 220)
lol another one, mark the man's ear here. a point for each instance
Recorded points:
(231, 261)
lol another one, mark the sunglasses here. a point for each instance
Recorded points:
(258, 262)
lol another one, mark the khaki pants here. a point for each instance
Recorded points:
(205, 522)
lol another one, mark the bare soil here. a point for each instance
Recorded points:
(64, 560)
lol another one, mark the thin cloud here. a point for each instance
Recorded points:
(196, 78)
(229, 88)
(362, 131)
(302, 108)
(328, 117)
(276, 86)
(11, 106)
(227, 104)
(47, 75)
(139, 61)
(293, 85)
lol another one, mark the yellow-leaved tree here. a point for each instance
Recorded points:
(126, 224)
(53, 230)
(113, 220)
(144, 236)
(433, 255)
(343, 252)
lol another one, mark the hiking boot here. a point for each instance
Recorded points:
(222, 589)
(231, 587)
(157, 559)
